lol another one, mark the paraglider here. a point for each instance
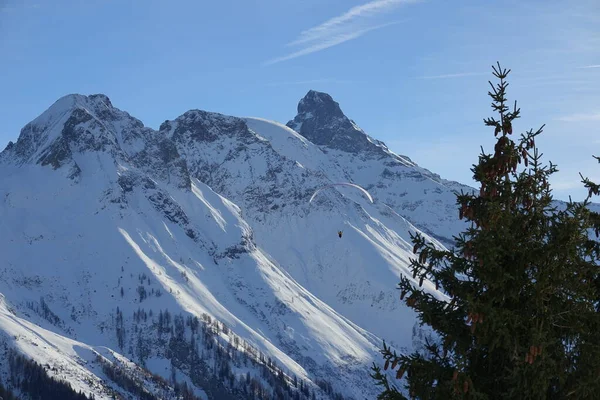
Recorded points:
(367, 195)
(341, 184)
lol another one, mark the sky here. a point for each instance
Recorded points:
(412, 73)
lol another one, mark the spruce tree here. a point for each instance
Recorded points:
(520, 319)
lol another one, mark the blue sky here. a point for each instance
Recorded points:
(411, 73)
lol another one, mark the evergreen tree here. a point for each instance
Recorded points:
(521, 318)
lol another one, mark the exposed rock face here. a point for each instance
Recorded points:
(420, 196)
(224, 153)
(321, 120)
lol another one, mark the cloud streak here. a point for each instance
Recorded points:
(458, 75)
(310, 82)
(590, 66)
(337, 30)
(328, 42)
(340, 22)
(581, 117)
(10, 8)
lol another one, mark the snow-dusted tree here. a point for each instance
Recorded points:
(521, 319)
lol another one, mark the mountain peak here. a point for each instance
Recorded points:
(76, 100)
(74, 122)
(100, 98)
(98, 105)
(319, 103)
(321, 120)
(203, 125)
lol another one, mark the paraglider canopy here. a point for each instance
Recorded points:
(341, 184)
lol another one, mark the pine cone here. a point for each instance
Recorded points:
(400, 373)
(509, 128)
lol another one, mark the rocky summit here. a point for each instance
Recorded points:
(321, 120)
(149, 263)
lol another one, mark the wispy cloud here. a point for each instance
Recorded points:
(311, 82)
(347, 26)
(572, 84)
(10, 8)
(566, 184)
(328, 42)
(351, 16)
(580, 117)
(458, 75)
(590, 66)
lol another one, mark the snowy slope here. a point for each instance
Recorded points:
(103, 220)
(270, 172)
(413, 192)
(75, 263)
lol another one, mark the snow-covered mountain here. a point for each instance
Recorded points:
(192, 253)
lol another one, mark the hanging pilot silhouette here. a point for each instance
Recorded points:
(341, 184)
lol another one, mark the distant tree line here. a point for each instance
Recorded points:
(122, 378)
(206, 350)
(43, 310)
(196, 347)
(6, 394)
(31, 379)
